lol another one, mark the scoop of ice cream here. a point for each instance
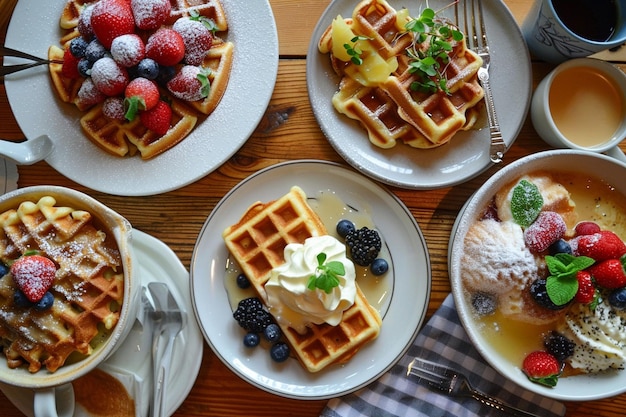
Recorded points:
(495, 259)
(600, 337)
(290, 299)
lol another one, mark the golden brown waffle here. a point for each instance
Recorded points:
(438, 115)
(257, 243)
(390, 110)
(88, 289)
(125, 139)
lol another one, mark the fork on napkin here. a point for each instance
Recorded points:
(443, 339)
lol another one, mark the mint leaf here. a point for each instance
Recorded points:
(561, 290)
(326, 276)
(526, 203)
(562, 283)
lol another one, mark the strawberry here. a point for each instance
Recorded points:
(586, 228)
(84, 23)
(113, 108)
(541, 367)
(166, 47)
(190, 83)
(158, 118)
(197, 37)
(599, 246)
(127, 50)
(547, 228)
(609, 273)
(33, 275)
(150, 14)
(88, 95)
(69, 69)
(586, 288)
(109, 77)
(110, 19)
(140, 94)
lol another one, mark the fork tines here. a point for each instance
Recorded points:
(437, 376)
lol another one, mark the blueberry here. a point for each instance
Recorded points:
(272, 332)
(46, 302)
(379, 266)
(165, 74)
(242, 281)
(20, 300)
(3, 270)
(251, 339)
(279, 352)
(560, 246)
(84, 67)
(78, 46)
(484, 304)
(148, 68)
(344, 227)
(617, 298)
(94, 51)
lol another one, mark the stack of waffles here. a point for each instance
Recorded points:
(257, 243)
(88, 288)
(391, 110)
(127, 138)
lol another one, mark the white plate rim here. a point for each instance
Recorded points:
(447, 165)
(290, 379)
(157, 262)
(252, 29)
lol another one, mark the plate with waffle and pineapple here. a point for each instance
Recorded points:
(303, 340)
(394, 88)
(142, 97)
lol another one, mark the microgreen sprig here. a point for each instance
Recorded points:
(354, 51)
(562, 283)
(437, 35)
(326, 275)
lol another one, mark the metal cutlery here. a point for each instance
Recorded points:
(10, 69)
(169, 321)
(455, 384)
(473, 24)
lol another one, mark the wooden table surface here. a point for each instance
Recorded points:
(176, 217)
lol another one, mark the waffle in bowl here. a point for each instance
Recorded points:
(89, 288)
(122, 138)
(257, 243)
(388, 108)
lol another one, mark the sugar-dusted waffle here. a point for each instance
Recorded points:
(257, 243)
(88, 287)
(123, 138)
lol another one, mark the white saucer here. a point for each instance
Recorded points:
(157, 263)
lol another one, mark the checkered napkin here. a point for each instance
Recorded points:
(443, 340)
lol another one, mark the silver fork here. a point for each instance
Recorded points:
(10, 69)
(169, 319)
(476, 38)
(453, 383)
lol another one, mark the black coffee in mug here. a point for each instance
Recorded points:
(595, 20)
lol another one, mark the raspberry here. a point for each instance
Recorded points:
(251, 315)
(364, 245)
(586, 228)
(544, 231)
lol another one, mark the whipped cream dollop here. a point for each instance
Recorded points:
(600, 337)
(290, 300)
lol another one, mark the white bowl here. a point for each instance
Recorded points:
(572, 388)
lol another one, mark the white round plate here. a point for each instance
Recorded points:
(467, 155)
(157, 264)
(35, 26)
(410, 285)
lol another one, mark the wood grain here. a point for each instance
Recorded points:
(288, 131)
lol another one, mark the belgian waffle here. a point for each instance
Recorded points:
(88, 289)
(421, 120)
(125, 139)
(257, 243)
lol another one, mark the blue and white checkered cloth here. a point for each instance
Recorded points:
(444, 340)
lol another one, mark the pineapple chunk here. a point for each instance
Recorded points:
(341, 34)
(374, 69)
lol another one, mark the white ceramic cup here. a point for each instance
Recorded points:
(612, 87)
(53, 392)
(549, 39)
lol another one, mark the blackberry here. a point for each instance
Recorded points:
(559, 346)
(364, 245)
(251, 315)
(540, 294)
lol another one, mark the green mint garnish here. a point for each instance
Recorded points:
(526, 203)
(354, 51)
(562, 283)
(427, 62)
(327, 275)
(208, 23)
